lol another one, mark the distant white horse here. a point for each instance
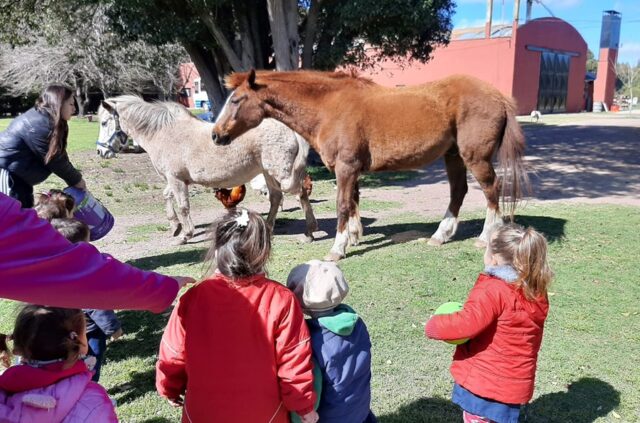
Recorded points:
(180, 148)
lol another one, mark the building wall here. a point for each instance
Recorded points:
(554, 34)
(488, 59)
(605, 85)
(503, 62)
(188, 74)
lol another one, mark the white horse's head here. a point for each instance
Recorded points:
(111, 139)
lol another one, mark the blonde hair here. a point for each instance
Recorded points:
(526, 251)
(241, 244)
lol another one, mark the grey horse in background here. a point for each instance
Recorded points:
(180, 148)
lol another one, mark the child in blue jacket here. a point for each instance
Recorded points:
(339, 340)
(101, 324)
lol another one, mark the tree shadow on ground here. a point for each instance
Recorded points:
(169, 259)
(138, 384)
(425, 410)
(143, 330)
(586, 400)
(567, 161)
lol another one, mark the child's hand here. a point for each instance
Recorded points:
(311, 417)
(117, 334)
(183, 280)
(176, 402)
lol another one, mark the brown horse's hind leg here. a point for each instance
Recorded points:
(349, 226)
(174, 222)
(457, 174)
(486, 177)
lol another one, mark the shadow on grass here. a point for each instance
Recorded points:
(139, 384)
(144, 330)
(169, 259)
(586, 400)
(425, 410)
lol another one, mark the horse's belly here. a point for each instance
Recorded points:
(407, 155)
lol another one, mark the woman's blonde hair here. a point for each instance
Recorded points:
(526, 251)
(241, 244)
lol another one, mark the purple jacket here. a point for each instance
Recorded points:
(72, 399)
(38, 265)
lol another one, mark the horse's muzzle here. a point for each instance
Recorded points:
(220, 139)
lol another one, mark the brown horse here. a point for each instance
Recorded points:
(358, 126)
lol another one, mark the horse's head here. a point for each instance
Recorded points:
(112, 139)
(242, 111)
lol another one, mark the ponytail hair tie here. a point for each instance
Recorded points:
(73, 335)
(243, 220)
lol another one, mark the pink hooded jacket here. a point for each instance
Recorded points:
(73, 398)
(38, 265)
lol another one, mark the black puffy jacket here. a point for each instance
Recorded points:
(24, 145)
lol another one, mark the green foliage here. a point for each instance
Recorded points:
(592, 62)
(349, 30)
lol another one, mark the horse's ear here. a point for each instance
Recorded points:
(108, 106)
(251, 79)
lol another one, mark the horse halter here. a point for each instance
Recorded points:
(117, 140)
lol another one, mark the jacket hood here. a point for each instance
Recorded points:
(341, 321)
(54, 401)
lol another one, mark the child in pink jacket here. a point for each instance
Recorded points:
(52, 383)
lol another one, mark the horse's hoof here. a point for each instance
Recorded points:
(435, 242)
(179, 241)
(176, 229)
(307, 239)
(480, 243)
(333, 256)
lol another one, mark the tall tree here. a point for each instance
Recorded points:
(232, 35)
(630, 77)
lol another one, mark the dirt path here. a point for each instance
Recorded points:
(580, 159)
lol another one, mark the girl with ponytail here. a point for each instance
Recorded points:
(503, 318)
(51, 383)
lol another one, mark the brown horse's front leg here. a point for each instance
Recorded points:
(348, 229)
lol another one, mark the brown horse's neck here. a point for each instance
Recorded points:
(295, 105)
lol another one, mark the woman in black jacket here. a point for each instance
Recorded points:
(35, 145)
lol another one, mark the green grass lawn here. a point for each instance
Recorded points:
(588, 369)
(82, 134)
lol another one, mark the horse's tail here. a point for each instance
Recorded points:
(514, 179)
(293, 183)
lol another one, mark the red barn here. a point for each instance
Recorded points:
(541, 63)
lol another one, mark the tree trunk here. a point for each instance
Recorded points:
(310, 34)
(204, 61)
(283, 17)
(248, 55)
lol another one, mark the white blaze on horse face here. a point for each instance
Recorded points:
(493, 216)
(447, 228)
(224, 108)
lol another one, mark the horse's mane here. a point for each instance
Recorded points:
(149, 118)
(352, 77)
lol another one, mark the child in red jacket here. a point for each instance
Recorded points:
(503, 317)
(236, 345)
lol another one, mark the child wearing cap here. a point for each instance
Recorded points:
(339, 340)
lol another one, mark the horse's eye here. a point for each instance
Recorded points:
(104, 123)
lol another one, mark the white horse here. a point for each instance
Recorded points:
(180, 148)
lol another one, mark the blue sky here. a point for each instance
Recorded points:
(584, 15)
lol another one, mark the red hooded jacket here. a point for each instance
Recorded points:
(505, 331)
(241, 351)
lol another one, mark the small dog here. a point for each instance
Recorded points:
(535, 116)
